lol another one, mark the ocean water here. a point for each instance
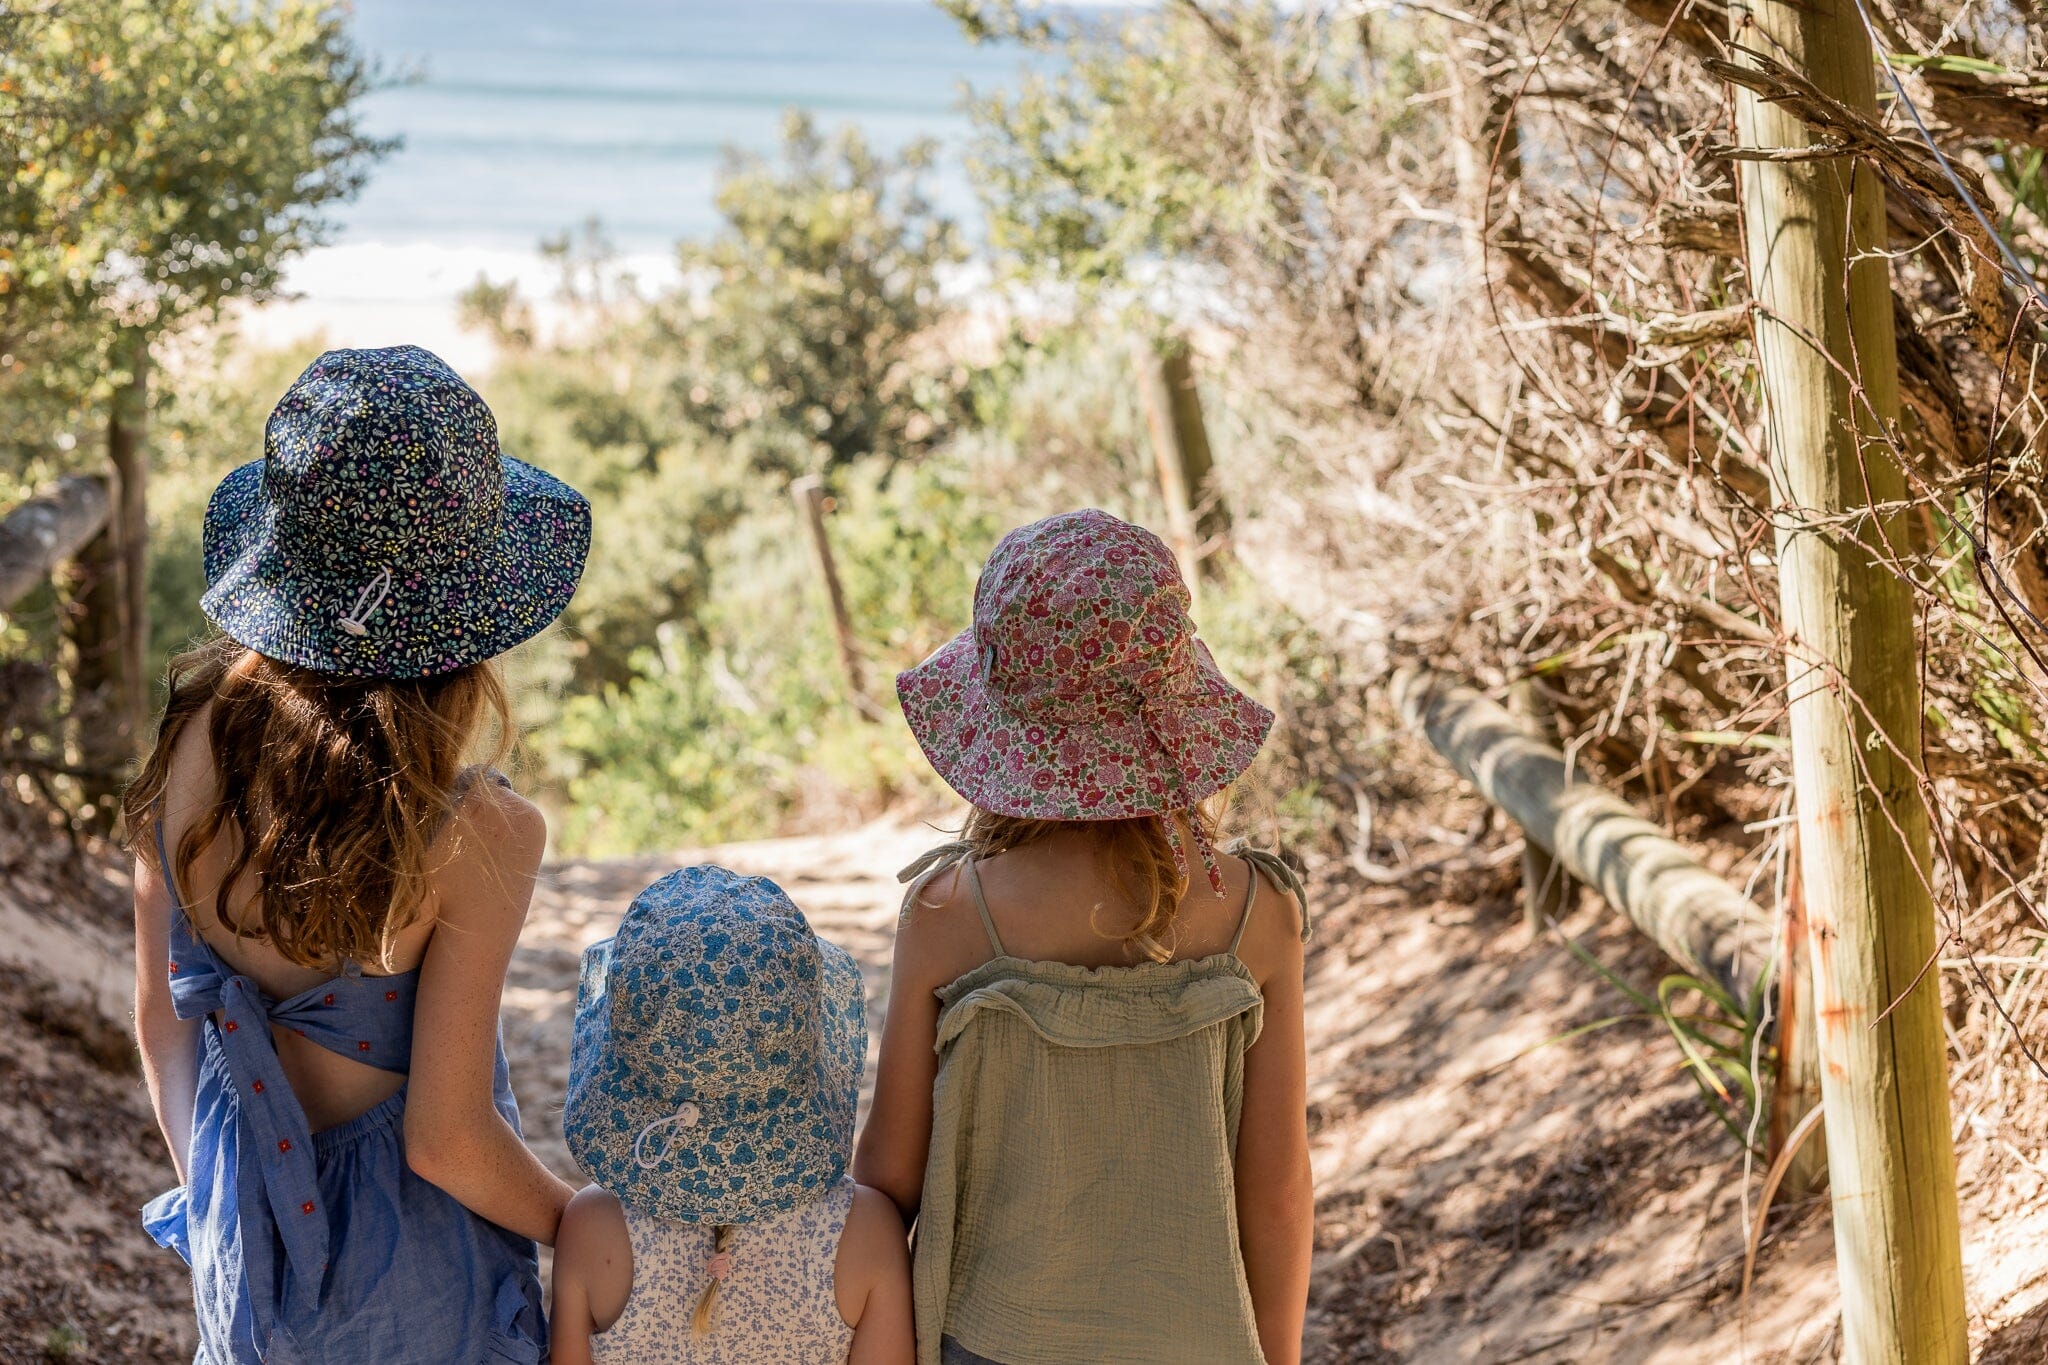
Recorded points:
(524, 118)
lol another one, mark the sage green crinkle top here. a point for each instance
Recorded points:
(1080, 1194)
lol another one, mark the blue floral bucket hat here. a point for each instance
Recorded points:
(716, 1063)
(383, 534)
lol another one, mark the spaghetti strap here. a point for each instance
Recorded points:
(184, 915)
(988, 921)
(1251, 899)
(163, 861)
(1281, 874)
(929, 865)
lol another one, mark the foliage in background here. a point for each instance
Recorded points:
(1478, 276)
(160, 158)
(693, 691)
(798, 325)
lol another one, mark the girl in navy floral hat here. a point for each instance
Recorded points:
(712, 1087)
(327, 895)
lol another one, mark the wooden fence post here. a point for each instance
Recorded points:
(809, 494)
(1195, 515)
(1545, 885)
(91, 626)
(1815, 236)
(42, 533)
(1701, 922)
(128, 451)
(1795, 1089)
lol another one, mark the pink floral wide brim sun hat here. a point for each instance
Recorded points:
(1080, 691)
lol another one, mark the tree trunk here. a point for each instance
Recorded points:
(809, 494)
(1816, 233)
(45, 531)
(1487, 145)
(101, 746)
(1196, 517)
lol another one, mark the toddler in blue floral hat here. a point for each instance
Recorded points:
(713, 1082)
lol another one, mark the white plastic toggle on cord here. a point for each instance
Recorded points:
(367, 601)
(685, 1116)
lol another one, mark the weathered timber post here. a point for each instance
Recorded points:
(1701, 922)
(1545, 885)
(809, 493)
(1196, 518)
(39, 535)
(1815, 234)
(128, 451)
(91, 626)
(1795, 1081)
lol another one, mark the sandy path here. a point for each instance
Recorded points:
(1475, 1203)
(1481, 1198)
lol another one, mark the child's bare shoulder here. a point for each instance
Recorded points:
(939, 934)
(1273, 936)
(873, 1248)
(593, 1230)
(873, 1222)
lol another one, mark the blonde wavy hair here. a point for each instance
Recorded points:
(332, 790)
(1136, 852)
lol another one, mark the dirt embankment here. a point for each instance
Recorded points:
(1490, 1190)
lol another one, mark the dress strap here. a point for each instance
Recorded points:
(185, 939)
(163, 862)
(988, 921)
(930, 864)
(1282, 874)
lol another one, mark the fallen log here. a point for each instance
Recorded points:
(47, 530)
(1706, 926)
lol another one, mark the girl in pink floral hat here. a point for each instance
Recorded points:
(1091, 1097)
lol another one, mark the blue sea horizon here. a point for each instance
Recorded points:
(523, 118)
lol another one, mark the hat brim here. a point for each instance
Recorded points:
(748, 1160)
(1111, 769)
(465, 609)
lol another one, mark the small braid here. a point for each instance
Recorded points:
(700, 1321)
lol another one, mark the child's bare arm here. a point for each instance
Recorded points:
(454, 1135)
(1275, 1190)
(169, 1045)
(872, 1278)
(593, 1274)
(898, 1135)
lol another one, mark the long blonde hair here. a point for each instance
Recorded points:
(1137, 852)
(332, 790)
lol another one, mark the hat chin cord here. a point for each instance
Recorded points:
(355, 622)
(650, 1147)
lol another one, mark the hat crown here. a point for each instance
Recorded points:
(1081, 610)
(385, 457)
(713, 988)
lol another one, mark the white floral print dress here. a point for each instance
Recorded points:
(778, 1305)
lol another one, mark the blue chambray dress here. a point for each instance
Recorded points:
(323, 1248)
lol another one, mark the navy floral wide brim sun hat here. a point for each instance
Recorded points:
(715, 1066)
(384, 534)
